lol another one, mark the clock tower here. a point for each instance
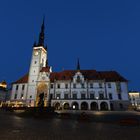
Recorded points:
(38, 61)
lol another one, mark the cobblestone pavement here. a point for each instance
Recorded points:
(16, 128)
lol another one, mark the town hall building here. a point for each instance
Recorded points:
(76, 89)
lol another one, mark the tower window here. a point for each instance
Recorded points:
(35, 62)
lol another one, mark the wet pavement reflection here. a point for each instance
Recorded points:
(16, 128)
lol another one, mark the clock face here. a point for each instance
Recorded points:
(36, 53)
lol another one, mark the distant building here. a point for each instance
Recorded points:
(68, 89)
(134, 97)
(3, 92)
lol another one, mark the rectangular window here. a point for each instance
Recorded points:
(51, 96)
(119, 96)
(100, 85)
(74, 85)
(91, 85)
(58, 85)
(17, 87)
(74, 96)
(65, 96)
(21, 96)
(66, 85)
(101, 96)
(92, 96)
(51, 85)
(15, 97)
(82, 85)
(23, 86)
(118, 86)
(57, 96)
(109, 85)
(110, 96)
(30, 96)
(83, 96)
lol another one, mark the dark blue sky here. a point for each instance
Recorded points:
(104, 34)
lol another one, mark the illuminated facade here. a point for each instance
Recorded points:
(3, 92)
(134, 97)
(69, 89)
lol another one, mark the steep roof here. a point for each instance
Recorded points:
(108, 76)
(88, 74)
(23, 79)
(45, 69)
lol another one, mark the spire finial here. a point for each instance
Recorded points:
(78, 65)
(41, 35)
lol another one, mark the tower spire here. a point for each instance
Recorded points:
(41, 35)
(78, 65)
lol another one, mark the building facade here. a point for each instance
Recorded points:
(134, 97)
(69, 89)
(3, 93)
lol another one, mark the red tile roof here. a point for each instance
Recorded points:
(45, 69)
(108, 76)
(88, 74)
(23, 79)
